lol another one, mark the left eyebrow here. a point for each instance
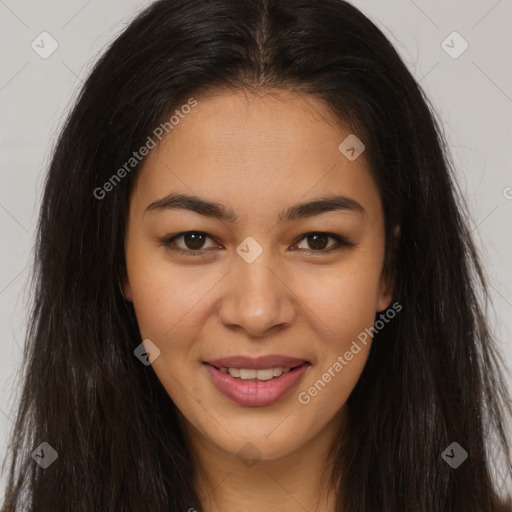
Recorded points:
(319, 206)
(218, 211)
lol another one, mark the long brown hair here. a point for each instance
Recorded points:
(433, 376)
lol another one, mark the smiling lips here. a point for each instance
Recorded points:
(253, 382)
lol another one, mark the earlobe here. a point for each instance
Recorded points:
(385, 294)
(387, 282)
(124, 286)
(126, 290)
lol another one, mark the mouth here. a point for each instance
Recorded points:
(258, 386)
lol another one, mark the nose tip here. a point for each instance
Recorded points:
(258, 316)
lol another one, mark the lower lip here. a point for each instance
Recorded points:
(255, 393)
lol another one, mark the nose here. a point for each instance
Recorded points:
(257, 299)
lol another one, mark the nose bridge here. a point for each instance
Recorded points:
(257, 299)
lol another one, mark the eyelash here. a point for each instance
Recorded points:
(168, 242)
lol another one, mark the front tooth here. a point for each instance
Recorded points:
(266, 374)
(277, 372)
(246, 374)
(234, 372)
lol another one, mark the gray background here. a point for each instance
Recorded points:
(471, 94)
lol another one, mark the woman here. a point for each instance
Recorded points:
(255, 283)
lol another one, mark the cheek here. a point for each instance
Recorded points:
(343, 306)
(167, 298)
(327, 390)
(343, 299)
(170, 307)
(164, 312)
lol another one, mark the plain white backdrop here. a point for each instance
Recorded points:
(466, 75)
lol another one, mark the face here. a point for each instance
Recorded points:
(267, 272)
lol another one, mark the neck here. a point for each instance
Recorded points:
(297, 481)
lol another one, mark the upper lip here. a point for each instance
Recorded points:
(257, 363)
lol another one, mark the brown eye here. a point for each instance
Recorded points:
(319, 242)
(194, 241)
(190, 242)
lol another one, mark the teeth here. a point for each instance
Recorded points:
(248, 374)
(234, 372)
(263, 374)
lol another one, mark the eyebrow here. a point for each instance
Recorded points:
(331, 203)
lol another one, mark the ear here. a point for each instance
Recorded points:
(386, 288)
(125, 285)
(387, 280)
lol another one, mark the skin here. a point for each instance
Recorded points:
(257, 154)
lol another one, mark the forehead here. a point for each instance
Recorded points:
(255, 149)
(270, 126)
